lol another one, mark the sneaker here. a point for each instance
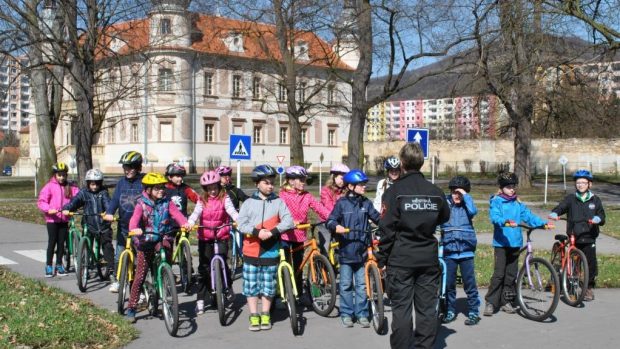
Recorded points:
(60, 270)
(113, 287)
(265, 321)
(254, 322)
(49, 271)
(131, 315)
(472, 319)
(200, 307)
(508, 308)
(347, 321)
(364, 323)
(489, 309)
(451, 316)
(142, 298)
(589, 296)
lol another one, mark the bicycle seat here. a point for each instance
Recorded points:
(561, 237)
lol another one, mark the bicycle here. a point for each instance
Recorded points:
(442, 299)
(183, 257)
(537, 283)
(320, 280)
(332, 254)
(219, 277)
(571, 263)
(288, 289)
(125, 274)
(73, 240)
(236, 256)
(88, 257)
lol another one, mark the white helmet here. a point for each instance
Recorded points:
(93, 175)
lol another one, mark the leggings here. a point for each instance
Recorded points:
(56, 236)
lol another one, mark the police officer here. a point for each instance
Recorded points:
(411, 210)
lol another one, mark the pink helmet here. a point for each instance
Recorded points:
(339, 169)
(223, 170)
(209, 177)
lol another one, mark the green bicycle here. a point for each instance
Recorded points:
(88, 258)
(73, 241)
(183, 257)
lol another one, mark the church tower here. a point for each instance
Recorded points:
(346, 45)
(170, 23)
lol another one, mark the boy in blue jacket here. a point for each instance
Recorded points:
(352, 212)
(459, 243)
(506, 213)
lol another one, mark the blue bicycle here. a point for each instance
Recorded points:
(442, 299)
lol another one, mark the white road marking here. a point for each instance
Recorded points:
(37, 255)
(6, 261)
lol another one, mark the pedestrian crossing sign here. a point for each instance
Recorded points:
(240, 147)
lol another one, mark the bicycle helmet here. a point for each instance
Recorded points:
(175, 169)
(460, 182)
(392, 163)
(151, 179)
(583, 174)
(209, 177)
(339, 169)
(93, 175)
(262, 171)
(296, 172)
(355, 177)
(131, 158)
(507, 178)
(224, 170)
(60, 167)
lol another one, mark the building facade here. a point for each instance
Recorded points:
(14, 93)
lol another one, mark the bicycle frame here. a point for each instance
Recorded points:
(281, 265)
(372, 260)
(565, 249)
(217, 256)
(183, 237)
(128, 250)
(308, 257)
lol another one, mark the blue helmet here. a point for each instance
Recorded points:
(583, 174)
(355, 176)
(262, 171)
(392, 163)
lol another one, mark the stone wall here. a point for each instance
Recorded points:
(598, 155)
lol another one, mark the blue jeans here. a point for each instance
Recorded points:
(469, 283)
(353, 299)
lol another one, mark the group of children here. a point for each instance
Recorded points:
(154, 207)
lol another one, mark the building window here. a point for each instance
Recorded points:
(330, 95)
(304, 136)
(165, 132)
(301, 92)
(281, 92)
(209, 128)
(165, 80)
(258, 133)
(236, 86)
(209, 84)
(164, 26)
(112, 134)
(256, 92)
(331, 137)
(283, 135)
(134, 133)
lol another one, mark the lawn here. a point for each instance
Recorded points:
(35, 315)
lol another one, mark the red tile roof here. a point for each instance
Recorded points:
(208, 32)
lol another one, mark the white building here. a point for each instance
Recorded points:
(14, 93)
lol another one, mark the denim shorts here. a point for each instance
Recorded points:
(259, 280)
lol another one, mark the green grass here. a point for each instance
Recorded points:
(23, 189)
(35, 315)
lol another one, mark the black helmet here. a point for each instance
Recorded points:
(175, 169)
(460, 182)
(131, 158)
(60, 167)
(507, 178)
(261, 171)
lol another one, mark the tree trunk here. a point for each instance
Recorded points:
(522, 149)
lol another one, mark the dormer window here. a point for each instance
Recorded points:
(234, 42)
(301, 50)
(165, 26)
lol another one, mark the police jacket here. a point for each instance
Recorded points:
(413, 207)
(94, 205)
(579, 212)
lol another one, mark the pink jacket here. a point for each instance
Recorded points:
(329, 198)
(52, 197)
(299, 204)
(137, 219)
(213, 213)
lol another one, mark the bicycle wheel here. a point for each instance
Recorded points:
(575, 278)
(81, 268)
(170, 302)
(556, 257)
(219, 291)
(124, 286)
(376, 299)
(291, 303)
(538, 289)
(77, 237)
(103, 269)
(442, 300)
(185, 266)
(323, 287)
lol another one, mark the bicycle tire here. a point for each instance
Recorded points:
(291, 302)
(219, 291)
(124, 286)
(538, 301)
(170, 302)
(575, 281)
(185, 266)
(81, 267)
(77, 237)
(442, 300)
(375, 301)
(323, 291)
(103, 269)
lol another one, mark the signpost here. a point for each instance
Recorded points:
(563, 161)
(280, 171)
(419, 135)
(240, 149)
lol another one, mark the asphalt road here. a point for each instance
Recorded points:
(593, 326)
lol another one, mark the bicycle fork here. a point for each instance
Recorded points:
(286, 265)
(217, 256)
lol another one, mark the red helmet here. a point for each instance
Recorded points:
(223, 170)
(209, 177)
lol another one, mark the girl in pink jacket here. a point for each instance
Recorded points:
(299, 202)
(212, 210)
(53, 196)
(330, 193)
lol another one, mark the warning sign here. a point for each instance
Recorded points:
(240, 147)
